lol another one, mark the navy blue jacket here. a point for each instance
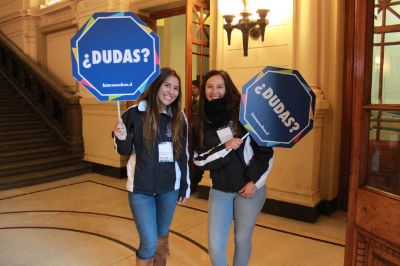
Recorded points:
(145, 173)
(230, 170)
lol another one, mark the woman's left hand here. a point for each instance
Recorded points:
(248, 190)
(180, 200)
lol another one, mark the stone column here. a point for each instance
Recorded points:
(293, 190)
(307, 50)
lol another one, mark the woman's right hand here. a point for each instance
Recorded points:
(120, 130)
(181, 200)
(233, 144)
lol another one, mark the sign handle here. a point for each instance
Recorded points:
(119, 110)
(245, 135)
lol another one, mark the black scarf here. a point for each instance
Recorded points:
(217, 112)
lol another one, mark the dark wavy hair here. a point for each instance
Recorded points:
(151, 116)
(232, 97)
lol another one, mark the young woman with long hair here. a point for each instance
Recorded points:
(155, 135)
(238, 168)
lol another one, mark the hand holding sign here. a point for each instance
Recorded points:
(120, 130)
(277, 107)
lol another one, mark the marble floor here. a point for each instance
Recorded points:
(85, 220)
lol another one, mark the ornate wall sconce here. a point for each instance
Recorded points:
(254, 28)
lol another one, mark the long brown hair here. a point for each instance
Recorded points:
(232, 97)
(151, 116)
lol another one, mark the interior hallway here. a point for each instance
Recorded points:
(85, 220)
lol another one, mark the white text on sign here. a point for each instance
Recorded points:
(279, 108)
(115, 57)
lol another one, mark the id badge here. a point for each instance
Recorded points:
(165, 152)
(225, 134)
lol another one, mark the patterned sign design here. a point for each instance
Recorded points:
(115, 56)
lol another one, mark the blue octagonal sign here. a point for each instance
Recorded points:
(115, 56)
(277, 107)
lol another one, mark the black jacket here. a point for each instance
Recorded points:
(231, 170)
(145, 173)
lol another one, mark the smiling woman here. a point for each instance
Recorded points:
(238, 168)
(168, 92)
(154, 134)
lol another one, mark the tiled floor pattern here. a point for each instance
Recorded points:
(86, 220)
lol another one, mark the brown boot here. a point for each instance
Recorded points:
(140, 262)
(162, 251)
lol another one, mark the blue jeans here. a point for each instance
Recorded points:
(153, 216)
(223, 208)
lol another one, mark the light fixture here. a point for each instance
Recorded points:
(254, 28)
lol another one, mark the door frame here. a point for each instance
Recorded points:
(186, 9)
(345, 147)
(372, 220)
(355, 84)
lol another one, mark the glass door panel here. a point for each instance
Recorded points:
(383, 166)
(384, 151)
(201, 39)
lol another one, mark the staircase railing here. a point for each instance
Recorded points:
(57, 105)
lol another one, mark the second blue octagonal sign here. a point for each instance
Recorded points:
(277, 107)
(115, 56)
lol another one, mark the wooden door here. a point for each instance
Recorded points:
(197, 44)
(373, 77)
(197, 38)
